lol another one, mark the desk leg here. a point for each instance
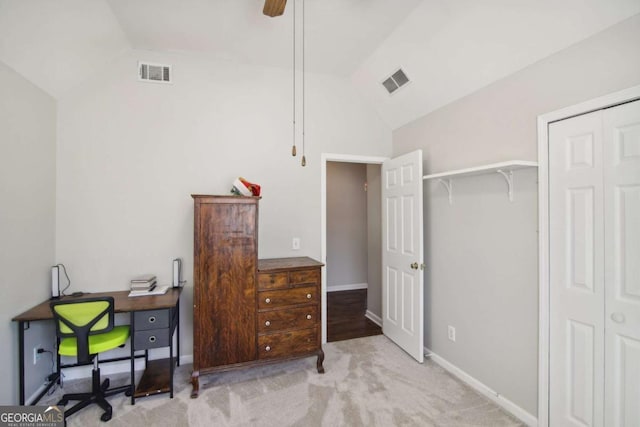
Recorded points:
(171, 369)
(58, 364)
(133, 360)
(171, 363)
(178, 330)
(21, 360)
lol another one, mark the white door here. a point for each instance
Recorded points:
(402, 253)
(594, 201)
(576, 248)
(622, 264)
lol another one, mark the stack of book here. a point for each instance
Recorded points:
(146, 283)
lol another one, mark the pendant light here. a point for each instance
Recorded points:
(293, 148)
(304, 118)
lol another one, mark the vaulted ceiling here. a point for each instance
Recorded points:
(449, 48)
(55, 43)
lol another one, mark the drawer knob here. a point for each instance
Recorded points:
(308, 296)
(308, 317)
(267, 348)
(267, 300)
(152, 338)
(152, 319)
(267, 323)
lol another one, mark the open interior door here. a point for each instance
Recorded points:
(402, 253)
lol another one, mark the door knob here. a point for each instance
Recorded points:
(618, 317)
(414, 266)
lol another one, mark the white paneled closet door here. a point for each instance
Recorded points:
(576, 277)
(621, 142)
(594, 202)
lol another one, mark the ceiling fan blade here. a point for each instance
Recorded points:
(274, 7)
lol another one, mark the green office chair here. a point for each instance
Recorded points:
(85, 328)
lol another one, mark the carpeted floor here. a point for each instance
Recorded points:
(368, 382)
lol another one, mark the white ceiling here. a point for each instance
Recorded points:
(56, 43)
(339, 34)
(449, 48)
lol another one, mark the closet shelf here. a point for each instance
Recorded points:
(505, 169)
(510, 165)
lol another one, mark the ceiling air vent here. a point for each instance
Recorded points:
(395, 81)
(154, 73)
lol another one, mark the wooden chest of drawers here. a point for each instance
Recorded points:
(288, 307)
(247, 311)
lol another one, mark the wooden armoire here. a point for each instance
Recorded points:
(231, 296)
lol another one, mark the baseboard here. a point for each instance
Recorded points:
(35, 394)
(111, 368)
(373, 317)
(481, 388)
(349, 287)
(106, 369)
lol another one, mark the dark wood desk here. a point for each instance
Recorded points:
(145, 334)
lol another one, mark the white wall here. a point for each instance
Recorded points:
(482, 251)
(374, 239)
(27, 220)
(481, 278)
(347, 251)
(130, 154)
(500, 120)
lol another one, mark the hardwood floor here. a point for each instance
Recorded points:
(345, 316)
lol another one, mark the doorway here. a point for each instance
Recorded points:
(353, 249)
(355, 304)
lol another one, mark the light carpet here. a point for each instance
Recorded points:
(368, 382)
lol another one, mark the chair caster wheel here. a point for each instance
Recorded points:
(105, 384)
(106, 416)
(127, 393)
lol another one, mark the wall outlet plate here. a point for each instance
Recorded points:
(295, 244)
(36, 356)
(451, 333)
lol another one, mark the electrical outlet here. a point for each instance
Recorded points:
(36, 355)
(295, 244)
(452, 333)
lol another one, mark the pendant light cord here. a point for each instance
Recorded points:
(293, 148)
(304, 117)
